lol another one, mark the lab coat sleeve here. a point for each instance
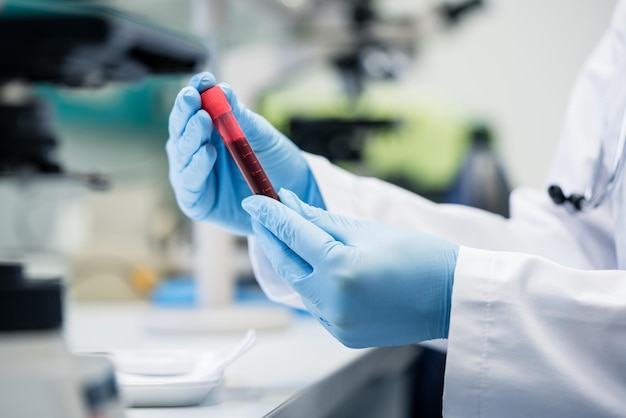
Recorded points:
(535, 226)
(532, 338)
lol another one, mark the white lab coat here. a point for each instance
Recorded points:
(538, 320)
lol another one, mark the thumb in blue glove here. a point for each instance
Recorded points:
(368, 284)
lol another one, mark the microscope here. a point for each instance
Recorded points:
(373, 48)
(78, 46)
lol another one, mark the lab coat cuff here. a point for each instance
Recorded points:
(274, 287)
(467, 365)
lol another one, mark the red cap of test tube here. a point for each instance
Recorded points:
(214, 101)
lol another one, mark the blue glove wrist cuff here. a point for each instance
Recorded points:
(313, 194)
(449, 286)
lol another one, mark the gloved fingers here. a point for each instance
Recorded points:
(196, 133)
(337, 226)
(192, 180)
(289, 265)
(292, 201)
(202, 81)
(194, 176)
(187, 103)
(232, 98)
(304, 238)
(240, 111)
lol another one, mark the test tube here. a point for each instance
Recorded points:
(214, 101)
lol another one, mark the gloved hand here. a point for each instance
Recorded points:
(367, 283)
(205, 179)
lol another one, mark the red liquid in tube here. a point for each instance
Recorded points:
(215, 103)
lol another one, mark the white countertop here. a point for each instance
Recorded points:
(283, 363)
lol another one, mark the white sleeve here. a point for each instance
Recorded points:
(536, 225)
(529, 337)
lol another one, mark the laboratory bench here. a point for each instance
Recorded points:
(298, 370)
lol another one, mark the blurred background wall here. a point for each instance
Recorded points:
(511, 64)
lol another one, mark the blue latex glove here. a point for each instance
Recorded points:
(207, 184)
(367, 283)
